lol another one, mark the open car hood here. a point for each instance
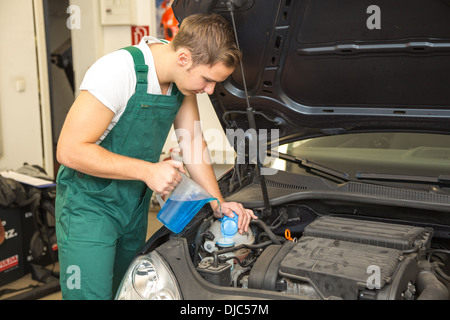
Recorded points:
(326, 67)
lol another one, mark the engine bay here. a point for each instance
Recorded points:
(327, 257)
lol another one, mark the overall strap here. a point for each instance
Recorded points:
(140, 67)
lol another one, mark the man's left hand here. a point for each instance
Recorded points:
(230, 209)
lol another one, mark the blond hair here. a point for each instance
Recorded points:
(209, 38)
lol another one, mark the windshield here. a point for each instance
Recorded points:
(386, 152)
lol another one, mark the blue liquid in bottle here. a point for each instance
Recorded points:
(176, 213)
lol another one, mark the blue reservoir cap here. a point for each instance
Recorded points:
(229, 226)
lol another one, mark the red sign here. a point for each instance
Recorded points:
(9, 263)
(138, 32)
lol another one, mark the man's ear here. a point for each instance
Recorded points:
(183, 57)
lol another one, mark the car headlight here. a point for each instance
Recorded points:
(148, 278)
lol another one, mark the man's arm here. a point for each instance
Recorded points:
(190, 137)
(86, 121)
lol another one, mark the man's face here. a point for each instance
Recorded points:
(203, 78)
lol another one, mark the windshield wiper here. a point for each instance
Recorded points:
(443, 180)
(304, 162)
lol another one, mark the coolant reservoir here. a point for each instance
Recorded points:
(226, 233)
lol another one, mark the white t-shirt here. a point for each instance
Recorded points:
(112, 79)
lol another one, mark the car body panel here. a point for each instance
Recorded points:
(315, 68)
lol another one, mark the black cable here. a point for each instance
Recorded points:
(8, 290)
(242, 246)
(199, 236)
(433, 251)
(241, 263)
(273, 237)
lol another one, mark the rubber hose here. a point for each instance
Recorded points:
(430, 287)
(269, 232)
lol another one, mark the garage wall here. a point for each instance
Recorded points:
(20, 118)
(92, 39)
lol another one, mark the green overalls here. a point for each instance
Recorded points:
(101, 223)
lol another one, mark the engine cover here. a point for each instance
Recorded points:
(380, 234)
(343, 269)
(345, 259)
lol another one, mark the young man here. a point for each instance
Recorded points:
(110, 145)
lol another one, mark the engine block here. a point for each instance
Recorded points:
(344, 259)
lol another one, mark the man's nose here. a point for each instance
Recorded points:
(209, 89)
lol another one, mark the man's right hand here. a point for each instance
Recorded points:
(163, 177)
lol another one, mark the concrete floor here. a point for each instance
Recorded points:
(153, 226)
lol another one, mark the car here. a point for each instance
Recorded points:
(348, 105)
